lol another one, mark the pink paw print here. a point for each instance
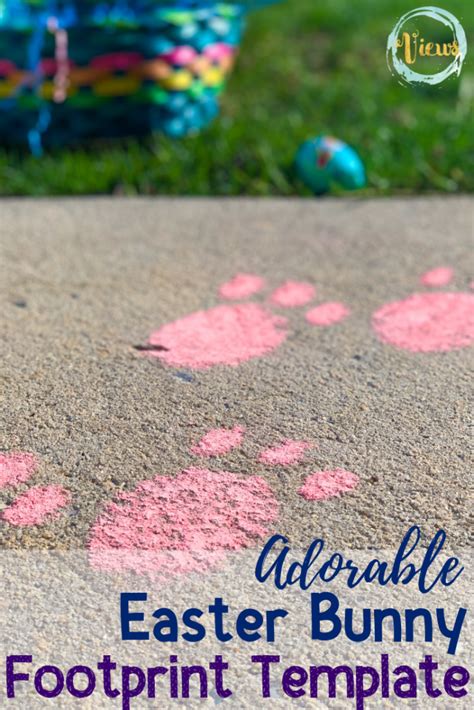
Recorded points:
(35, 506)
(173, 526)
(232, 334)
(429, 321)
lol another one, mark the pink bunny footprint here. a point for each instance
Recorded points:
(232, 334)
(36, 505)
(173, 526)
(427, 322)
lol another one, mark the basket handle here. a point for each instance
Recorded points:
(46, 23)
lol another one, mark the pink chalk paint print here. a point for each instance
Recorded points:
(293, 294)
(327, 314)
(323, 485)
(37, 505)
(16, 467)
(428, 322)
(173, 526)
(231, 334)
(285, 454)
(224, 335)
(218, 441)
(442, 276)
(241, 286)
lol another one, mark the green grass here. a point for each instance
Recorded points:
(306, 67)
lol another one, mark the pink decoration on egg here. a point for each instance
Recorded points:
(180, 55)
(441, 276)
(241, 286)
(37, 506)
(7, 67)
(218, 51)
(327, 313)
(285, 454)
(16, 468)
(218, 441)
(292, 294)
(49, 66)
(117, 61)
(328, 484)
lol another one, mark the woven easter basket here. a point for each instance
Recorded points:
(74, 69)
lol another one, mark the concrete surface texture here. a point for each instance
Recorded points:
(108, 383)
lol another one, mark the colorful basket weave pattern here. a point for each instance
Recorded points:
(67, 75)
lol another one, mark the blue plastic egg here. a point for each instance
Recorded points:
(324, 160)
(220, 26)
(203, 39)
(209, 106)
(193, 117)
(176, 102)
(185, 33)
(175, 127)
(158, 45)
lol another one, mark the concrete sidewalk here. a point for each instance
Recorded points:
(85, 281)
